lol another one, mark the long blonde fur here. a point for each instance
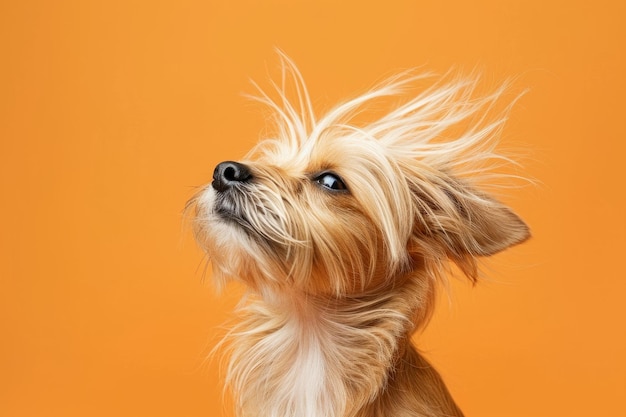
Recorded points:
(338, 281)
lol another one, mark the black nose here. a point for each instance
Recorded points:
(229, 173)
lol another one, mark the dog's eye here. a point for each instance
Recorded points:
(331, 181)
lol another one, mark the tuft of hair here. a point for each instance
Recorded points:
(450, 125)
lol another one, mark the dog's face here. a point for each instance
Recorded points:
(331, 217)
(336, 209)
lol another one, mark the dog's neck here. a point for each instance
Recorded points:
(296, 354)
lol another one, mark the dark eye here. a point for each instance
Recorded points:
(331, 181)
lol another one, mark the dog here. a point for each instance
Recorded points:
(342, 228)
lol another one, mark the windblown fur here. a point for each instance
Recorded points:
(341, 227)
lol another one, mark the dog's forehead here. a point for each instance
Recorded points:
(332, 151)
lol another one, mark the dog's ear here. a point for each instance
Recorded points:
(488, 226)
(468, 223)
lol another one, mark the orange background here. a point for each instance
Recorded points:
(112, 112)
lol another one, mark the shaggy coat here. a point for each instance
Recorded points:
(342, 228)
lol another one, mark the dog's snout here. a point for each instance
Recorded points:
(229, 173)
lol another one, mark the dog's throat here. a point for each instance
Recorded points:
(315, 356)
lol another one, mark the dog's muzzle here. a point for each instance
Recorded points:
(228, 180)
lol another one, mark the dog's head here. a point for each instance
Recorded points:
(336, 207)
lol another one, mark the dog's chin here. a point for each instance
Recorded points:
(216, 223)
(227, 228)
(240, 253)
(233, 219)
(220, 215)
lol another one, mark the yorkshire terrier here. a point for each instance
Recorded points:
(342, 227)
